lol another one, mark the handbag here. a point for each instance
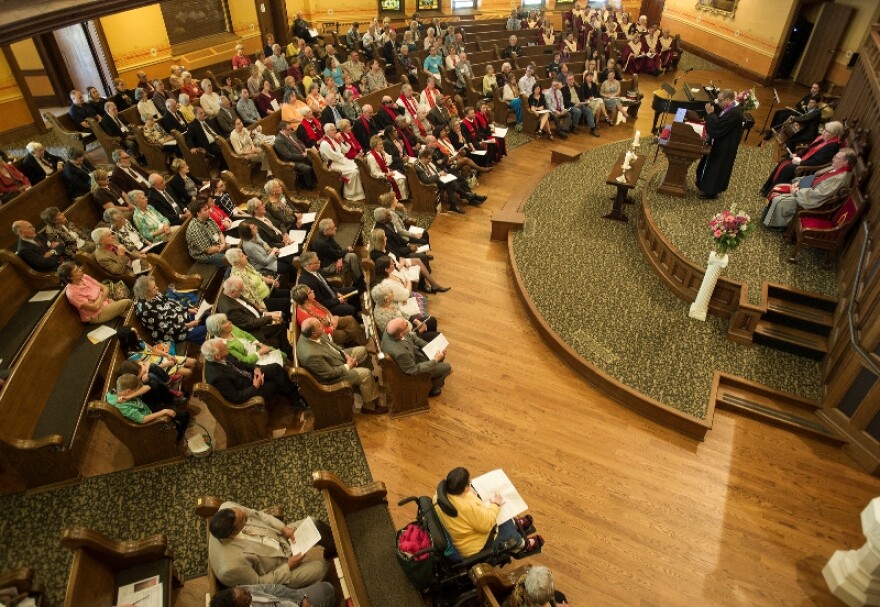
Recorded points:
(118, 290)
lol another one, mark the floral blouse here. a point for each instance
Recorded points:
(72, 237)
(164, 318)
(148, 222)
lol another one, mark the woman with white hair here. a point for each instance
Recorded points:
(190, 87)
(166, 319)
(124, 230)
(113, 257)
(241, 344)
(210, 101)
(385, 310)
(146, 107)
(263, 290)
(152, 225)
(185, 107)
(332, 149)
(536, 589)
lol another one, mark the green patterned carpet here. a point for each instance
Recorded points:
(589, 280)
(135, 504)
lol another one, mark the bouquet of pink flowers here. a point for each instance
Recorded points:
(729, 229)
(747, 100)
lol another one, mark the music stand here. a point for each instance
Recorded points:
(773, 103)
(670, 90)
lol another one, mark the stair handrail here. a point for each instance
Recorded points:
(852, 300)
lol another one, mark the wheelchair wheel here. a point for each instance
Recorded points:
(471, 598)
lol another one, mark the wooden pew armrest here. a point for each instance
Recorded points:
(303, 375)
(351, 499)
(124, 553)
(37, 280)
(181, 281)
(208, 505)
(99, 408)
(53, 442)
(257, 404)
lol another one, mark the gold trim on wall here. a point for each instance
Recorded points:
(710, 6)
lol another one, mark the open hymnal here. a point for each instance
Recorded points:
(424, 248)
(235, 223)
(291, 249)
(152, 246)
(496, 483)
(411, 307)
(44, 295)
(416, 231)
(137, 267)
(204, 307)
(309, 217)
(413, 273)
(306, 537)
(500, 131)
(274, 104)
(233, 241)
(144, 593)
(297, 235)
(103, 332)
(438, 344)
(447, 178)
(273, 357)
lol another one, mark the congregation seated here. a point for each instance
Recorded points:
(160, 359)
(610, 93)
(262, 290)
(810, 191)
(472, 529)
(241, 344)
(96, 302)
(150, 223)
(279, 208)
(535, 588)
(333, 148)
(406, 347)
(77, 174)
(81, 112)
(247, 143)
(388, 274)
(204, 240)
(183, 187)
(128, 399)
(331, 363)
(246, 108)
(60, 229)
(537, 106)
(226, 116)
(342, 301)
(12, 181)
(126, 234)
(238, 381)
(36, 250)
(271, 231)
(115, 258)
(107, 195)
(247, 546)
(252, 316)
(589, 93)
(385, 241)
(808, 123)
(820, 151)
(320, 594)
(157, 135)
(334, 258)
(343, 330)
(186, 108)
(385, 310)
(210, 100)
(166, 319)
(117, 126)
(263, 257)
(39, 163)
(146, 107)
(163, 200)
(289, 148)
(379, 164)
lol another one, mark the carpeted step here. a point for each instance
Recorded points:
(799, 316)
(790, 339)
(775, 407)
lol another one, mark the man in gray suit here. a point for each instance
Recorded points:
(226, 116)
(406, 348)
(330, 363)
(289, 148)
(251, 547)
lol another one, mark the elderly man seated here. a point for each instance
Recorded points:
(406, 349)
(238, 381)
(811, 191)
(204, 240)
(335, 259)
(251, 547)
(330, 363)
(277, 595)
(36, 252)
(252, 316)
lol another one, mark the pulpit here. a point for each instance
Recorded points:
(681, 148)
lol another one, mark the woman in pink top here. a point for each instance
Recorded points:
(89, 296)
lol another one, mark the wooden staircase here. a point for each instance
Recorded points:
(795, 321)
(782, 409)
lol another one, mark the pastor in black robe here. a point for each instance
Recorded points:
(725, 129)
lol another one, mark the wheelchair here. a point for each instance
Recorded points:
(438, 571)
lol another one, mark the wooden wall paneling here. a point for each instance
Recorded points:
(24, 88)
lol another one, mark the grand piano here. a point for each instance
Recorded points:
(690, 97)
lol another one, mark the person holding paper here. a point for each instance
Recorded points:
(243, 144)
(238, 381)
(279, 208)
(406, 348)
(334, 259)
(241, 344)
(126, 234)
(321, 594)
(270, 230)
(386, 309)
(95, 302)
(152, 225)
(204, 240)
(341, 301)
(183, 186)
(265, 325)
(330, 363)
(404, 255)
(538, 109)
(252, 547)
(344, 330)
(114, 258)
(263, 257)
(403, 225)
(379, 164)
(474, 528)
(263, 290)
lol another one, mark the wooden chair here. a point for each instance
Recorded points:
(157, 159)
(247, 423)
(22, 579)
(100, 565)
(239, 165)
(373, 186)
(423, 196)
(199, 163)
(493, 584)
(824, 230)
(326, 177)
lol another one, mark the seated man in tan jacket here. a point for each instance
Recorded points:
(250, 547)
(114, 258)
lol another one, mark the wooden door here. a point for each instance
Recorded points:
(653, 10)
(272, 17)
(824, 42)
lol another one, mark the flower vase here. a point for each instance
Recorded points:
(716, 263)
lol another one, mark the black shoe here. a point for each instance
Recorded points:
(429, 257)
(456, 209)
(594, 132)
(441, 289)
(434, 392)
(377, 411)
(704, 196)
(475, 201)
(562, 134)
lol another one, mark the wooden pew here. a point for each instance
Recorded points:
(422, 196)
(494, 584)
(22, 579)
(373, 186)
(243, 169)
(100, 565)
(43, 402)
(326, 177)
(28, 205)
(72, 136)
(157, 159)
(407, 394)
(244, 424)
(361, 513)
(349, 226)
(155, 441)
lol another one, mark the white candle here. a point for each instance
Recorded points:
(636, 138)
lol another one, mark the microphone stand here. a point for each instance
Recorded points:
(665, 113)
(767, 117)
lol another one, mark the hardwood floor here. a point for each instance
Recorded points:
(634, 514)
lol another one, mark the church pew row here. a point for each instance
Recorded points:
(101, 565)
(405, 394)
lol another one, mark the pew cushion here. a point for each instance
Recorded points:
(19, 328)
(372, 533)
(71, 392)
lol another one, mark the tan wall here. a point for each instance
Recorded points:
(866, 13)
(752, 38)
(13, 108)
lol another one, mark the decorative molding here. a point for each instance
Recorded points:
(727, 64)
(725, 32)
(708, 7)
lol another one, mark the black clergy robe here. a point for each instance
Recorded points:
(725, 130)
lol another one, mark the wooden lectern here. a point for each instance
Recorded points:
(681, 149)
